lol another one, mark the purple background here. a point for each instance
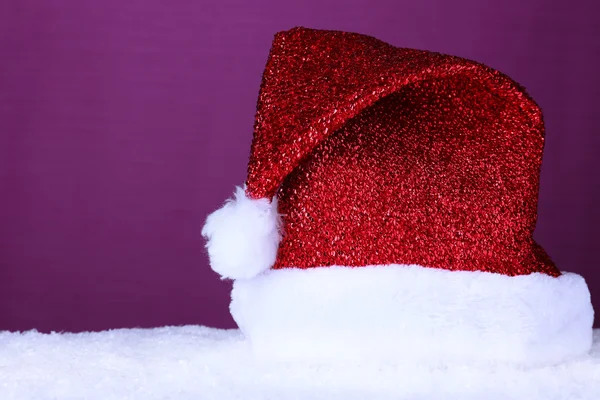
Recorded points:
(123, 123)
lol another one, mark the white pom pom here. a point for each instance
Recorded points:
(243, 236)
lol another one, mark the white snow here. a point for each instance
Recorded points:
(200, 363)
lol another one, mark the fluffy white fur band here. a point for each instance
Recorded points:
(402, 313)
(243, 236)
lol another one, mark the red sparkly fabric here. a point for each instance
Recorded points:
(383, 155)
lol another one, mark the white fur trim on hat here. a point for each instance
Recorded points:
(400, 313)
(243, 236)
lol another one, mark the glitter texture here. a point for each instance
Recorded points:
(383, 155)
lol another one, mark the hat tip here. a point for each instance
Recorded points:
(243, 236)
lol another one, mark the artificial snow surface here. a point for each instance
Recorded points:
(202, 363)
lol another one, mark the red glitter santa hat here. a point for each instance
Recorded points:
(389, 212)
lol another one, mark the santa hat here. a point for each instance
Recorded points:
(389, 210)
